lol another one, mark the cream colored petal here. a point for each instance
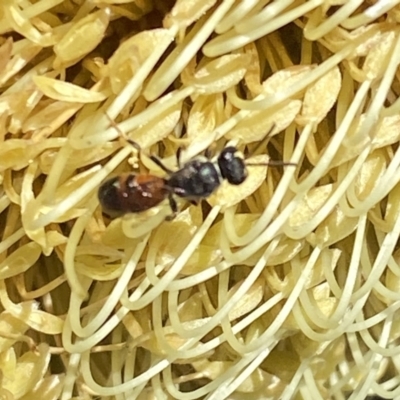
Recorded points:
(370, 174)
(310, 205)
(38, 320)
(30, 369)
(387, 132)
(327, 260)
(185, 12)
(65, 91)
(285, 78)
(377, 58)
(253, 74)
(172, 237)
(257, 124)
(284, 252)
(218, 75)
(81, 39)
(49, 388)
(19, 61)
(158, 129)
(202, 258)
(20, 260)
(249, 301)
(10, 328)
(24, 26)
(205, 115)
(131, 54)
(320, 98)
(334, 228)
(98, 270)
(8, 363)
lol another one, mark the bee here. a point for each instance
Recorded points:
(194, 181)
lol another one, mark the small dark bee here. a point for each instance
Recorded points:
(194, 181)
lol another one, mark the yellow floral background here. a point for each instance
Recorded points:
(286, 287)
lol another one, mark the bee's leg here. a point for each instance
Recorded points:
(160, 164)
(174, 208)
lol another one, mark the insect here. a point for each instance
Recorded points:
(194, 181)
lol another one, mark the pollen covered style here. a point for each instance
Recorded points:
(199, 199)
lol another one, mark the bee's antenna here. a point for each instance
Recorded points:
(122, 135)
(262, 143)
(272, 163)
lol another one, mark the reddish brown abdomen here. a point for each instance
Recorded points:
(129, 193)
